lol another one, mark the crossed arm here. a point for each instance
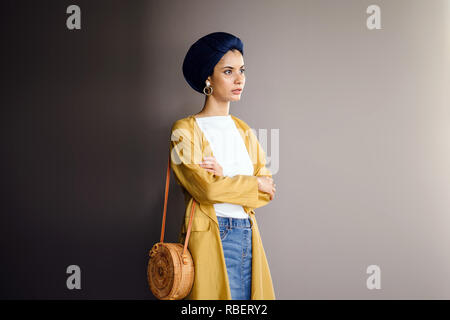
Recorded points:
(208, 187)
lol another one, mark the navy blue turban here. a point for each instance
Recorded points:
(204, 54)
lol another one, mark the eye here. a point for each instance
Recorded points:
(226, 71)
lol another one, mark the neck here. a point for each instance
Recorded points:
(214, 107)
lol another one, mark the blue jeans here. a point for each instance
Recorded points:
(236, 236)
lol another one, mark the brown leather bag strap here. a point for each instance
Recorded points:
(166, 194)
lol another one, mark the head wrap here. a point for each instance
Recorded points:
(204, 54)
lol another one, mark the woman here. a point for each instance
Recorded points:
(220, 164)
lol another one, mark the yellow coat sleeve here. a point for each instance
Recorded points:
(204, 186)
(257, 153)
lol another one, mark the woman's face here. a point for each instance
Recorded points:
(228, 75)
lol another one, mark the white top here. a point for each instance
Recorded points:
(230, 152)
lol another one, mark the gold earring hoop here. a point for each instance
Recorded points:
(209, 90)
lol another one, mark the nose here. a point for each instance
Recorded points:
(240, 78)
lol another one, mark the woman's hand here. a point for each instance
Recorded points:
(265, 184)
(211, 165)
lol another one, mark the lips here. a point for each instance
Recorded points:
(236, 90)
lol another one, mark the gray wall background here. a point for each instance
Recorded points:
(363, 117)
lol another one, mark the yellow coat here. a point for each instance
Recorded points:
(188, 146)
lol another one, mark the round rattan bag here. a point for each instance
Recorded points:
(170, 270)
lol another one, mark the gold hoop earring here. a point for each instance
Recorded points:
(209, 89)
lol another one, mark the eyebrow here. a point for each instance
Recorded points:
(231, 67)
